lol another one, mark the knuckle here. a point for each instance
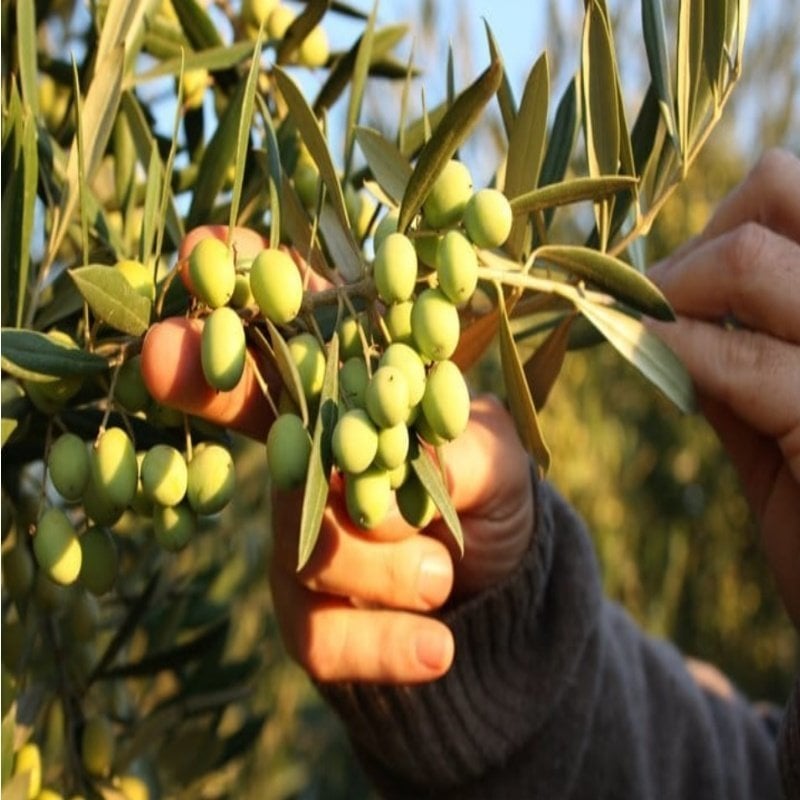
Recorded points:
(322, 651)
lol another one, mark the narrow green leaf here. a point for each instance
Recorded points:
(414, 134)
(358, 83)
(319, 468)
(690, 58)
(519, 397)
(655, 40)
(505, 94)
(339, 244)
(274, 174)
(430, 476)
(152, 206)
(610, 274)
(644, 350)
(123, 24)
(26, 202)
(83, 188)
(741, 29)
(544, 366)
(287, 369)
(645, 129)
(30, 355)
(300, 28)
(526, 149)
(342, 69)
(388, 166)
(8, 427)
(314, 140)
(26, 52)
(216, 159)
(601, 124)
(243, 139)
(99, 112)
(199, 28)
(455, 126)
(451, 77)
(214, 59)
(715, 32)
(571, 191)
(112, 299)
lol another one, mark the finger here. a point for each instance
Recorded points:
(753, 374)
(750, 273)
(767, 196)
(333, 641)
(173, 374)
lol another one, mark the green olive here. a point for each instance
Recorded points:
(395, 268)
(354, 441)
(449, 195)
(211, 478)
(164, 475)
(435, 325)
(408, 361)
(350, 342)
(138, 276)
(392, 446)
(368, 497)
(386, 226)
(97, 746)
(415, 504)
(130, 390)
(309, 358)
(68, 466)
(29, 759)
(457, 270)
(212, 272)
(488, 218)
(113, 467)
(387, 397)
(174, 526)
(223, 349)
(288, 451)
(398, 321)
(99, 560)
(276, 285)
(445, 403)
(314, 49)
(56, 547)
(353, 380)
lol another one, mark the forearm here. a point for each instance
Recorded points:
(555, 692)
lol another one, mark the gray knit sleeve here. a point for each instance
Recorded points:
(555, 693)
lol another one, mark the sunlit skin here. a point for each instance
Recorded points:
(357, 610)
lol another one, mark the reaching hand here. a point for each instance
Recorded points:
(736, 290)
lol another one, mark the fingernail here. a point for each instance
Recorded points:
(434, 579)
(434, 649)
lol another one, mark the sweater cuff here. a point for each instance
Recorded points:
(430, 737)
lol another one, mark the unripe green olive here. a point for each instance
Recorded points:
(276, 285)
(56, 547)
(368, 497)
(398, 322)
(353, 380)
(288, 451)
(392, 446)
(408, 361)
(387, 397)
(51, 596)
(130, 390)
(386, 226)
(242, 296)
(50, 395)
(395, 268)
(448, 196)
(445, 403)
(423, 428)
(18, 572)
(223, 348)
(306, 182)
(97, 746)
(99, 560)
(98, 505)
(29, 759)
(256, 12)
(133, 788)
(113, 467)
(488, 218)
(398, 475)
(164, 475)
(360, 210)
(427, 248)
(457, 270)
(350, 343)
(174, 526)
(194, 84)
(314, 49)
(212, 272)
(212, 479)
(354, 441)
(279, 20)
(309, 358)
(415, 504)
(68, 466)
(141, 504)
(138, 276)
(435, 325)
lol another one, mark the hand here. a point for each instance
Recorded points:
(359, 610)
(736, 290)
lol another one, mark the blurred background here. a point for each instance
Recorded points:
(676, 542)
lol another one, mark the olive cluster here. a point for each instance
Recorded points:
(109, 478)
(397, 380)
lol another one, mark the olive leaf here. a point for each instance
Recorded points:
(321, 461)
(26, 51)
(570, 191)
(455, 126)
(544, 366)
(611, 274)
(430, 476)
(505, 94)
(271, 167)
(302, 25)
(387, 164)
(287, 369)
(655, 40)
(690, 57)
(30, 355)
(643, 349)
(212, 59)
(520, 401)
(112, 299)
(199, 28)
